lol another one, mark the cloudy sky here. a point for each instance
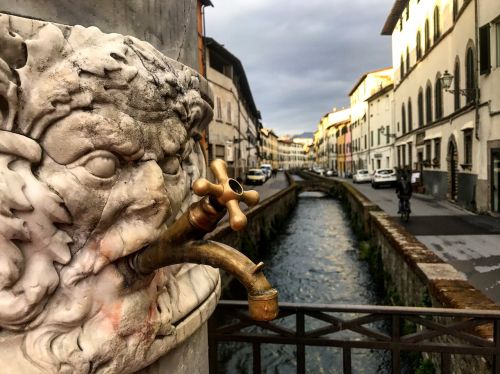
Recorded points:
(301, 57)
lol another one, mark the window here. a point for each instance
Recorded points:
(403, 118)
(219, 109)
(410, 153)
(428, 104)
(407, 59)
(418, 47)
(455, 9)
(420, 104)
(378, 137)
(428, 155)
(469, 75)
(410, 116)
(497, 27)
(468, 147)
(402, 68)
(219, 64)
(229, 112)
(484, 49)
(437, 152)
(456, 84)
(427, 36)
(387, 135)
(437, 30)
(438, 98)
(371, 138)
(220, 151)
(210, 152)
(365, 142)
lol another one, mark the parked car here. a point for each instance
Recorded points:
(318, 170)
(381, 177)
(361, 176)
(267, 169)
(255, 176)
(331, 173)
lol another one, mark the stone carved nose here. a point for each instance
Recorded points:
(228, 192)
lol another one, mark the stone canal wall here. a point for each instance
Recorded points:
(413, 275)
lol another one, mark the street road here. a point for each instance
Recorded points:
(272, 186)
(469, 242)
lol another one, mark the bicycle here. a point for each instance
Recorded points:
(405, 210)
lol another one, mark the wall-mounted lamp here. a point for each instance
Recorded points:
(447, 80)
(382, 130)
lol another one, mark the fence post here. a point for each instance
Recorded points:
(301, 349)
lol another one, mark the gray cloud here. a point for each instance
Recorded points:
(301, 57)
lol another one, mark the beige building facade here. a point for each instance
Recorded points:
(361, 138)
(234, 131)
(380, 127)
(269, 151)
(451, 136)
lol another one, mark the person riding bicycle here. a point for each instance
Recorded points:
(403, 190)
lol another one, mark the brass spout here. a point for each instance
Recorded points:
(180, 242)
(262, 298)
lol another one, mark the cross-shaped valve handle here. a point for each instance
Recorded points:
(228, 192)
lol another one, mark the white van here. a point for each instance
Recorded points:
(267, 169)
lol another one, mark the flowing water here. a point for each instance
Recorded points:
(313, 260)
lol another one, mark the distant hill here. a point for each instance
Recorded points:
(304, 135)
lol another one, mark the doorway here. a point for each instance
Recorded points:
(495, 180)
(452, 169)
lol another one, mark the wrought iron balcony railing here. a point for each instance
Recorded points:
(443, 333)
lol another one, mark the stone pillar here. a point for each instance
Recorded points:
(99, 145)
(169, 25)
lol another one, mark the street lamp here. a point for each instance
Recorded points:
(446, 81)
(382, 130)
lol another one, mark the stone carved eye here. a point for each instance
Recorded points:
(101, 164)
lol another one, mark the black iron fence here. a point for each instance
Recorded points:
(443, 333)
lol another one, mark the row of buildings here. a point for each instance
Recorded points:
(437, 111)
(235, 133)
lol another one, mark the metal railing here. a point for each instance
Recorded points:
(440, 332)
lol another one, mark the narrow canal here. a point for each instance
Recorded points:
(313, 260)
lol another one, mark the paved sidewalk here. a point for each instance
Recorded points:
(272, 186)
(469, 242)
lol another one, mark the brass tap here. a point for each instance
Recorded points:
(182, 242)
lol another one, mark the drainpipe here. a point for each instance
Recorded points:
(476, 83)
(239, 135)
(368, 135)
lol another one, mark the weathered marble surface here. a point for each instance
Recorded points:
(99, 145)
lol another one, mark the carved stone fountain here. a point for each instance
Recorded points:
(99, 147)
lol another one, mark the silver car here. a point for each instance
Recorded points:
(361, 176)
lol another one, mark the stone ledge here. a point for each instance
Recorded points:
(440, 272)
(460, 294)
(413, 251)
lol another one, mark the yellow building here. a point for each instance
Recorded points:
(269, 153)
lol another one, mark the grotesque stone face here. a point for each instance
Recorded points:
(99, 145)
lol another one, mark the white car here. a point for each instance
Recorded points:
(255, 176)
(267, 169)
(384, 177)
(361, 176)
